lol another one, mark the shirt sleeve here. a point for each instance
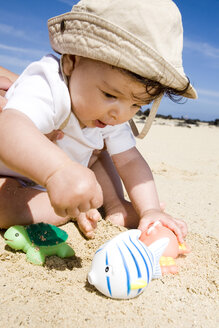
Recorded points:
(118, 138)
(38, 94)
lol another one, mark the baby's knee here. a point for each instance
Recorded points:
(117, 219)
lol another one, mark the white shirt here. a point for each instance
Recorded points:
(41, 93)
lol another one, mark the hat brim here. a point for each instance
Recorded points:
(90, 36)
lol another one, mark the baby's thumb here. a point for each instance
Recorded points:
(144, 225)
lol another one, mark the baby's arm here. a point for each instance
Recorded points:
(139, 183)
(72, 188)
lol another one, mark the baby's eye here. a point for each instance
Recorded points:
(108, 95)
(136, 107)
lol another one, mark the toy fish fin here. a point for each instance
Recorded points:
(157, 248)
(157, 272)
(138, 284)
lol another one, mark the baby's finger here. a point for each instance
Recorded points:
(175, 228)
(94, 215)
(144, 224)
(85, 225)
(73, 213)
(85, 207)
(5, 83)
(93, 224)
(183, 227)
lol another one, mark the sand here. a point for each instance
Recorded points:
(185, 164)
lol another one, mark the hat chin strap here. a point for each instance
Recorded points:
(149, 120)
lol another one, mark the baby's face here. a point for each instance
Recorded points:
(102, 95)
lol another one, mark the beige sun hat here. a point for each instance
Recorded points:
(142, 36)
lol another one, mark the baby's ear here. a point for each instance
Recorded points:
(68, 63)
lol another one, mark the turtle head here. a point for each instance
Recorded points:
(16, 237)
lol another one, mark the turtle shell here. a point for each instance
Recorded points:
(44, 234)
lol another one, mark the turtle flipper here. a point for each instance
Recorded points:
(35, 256)
(65, 250)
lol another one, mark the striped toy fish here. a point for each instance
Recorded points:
(123, 266)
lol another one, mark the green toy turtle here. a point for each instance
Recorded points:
(38, 241)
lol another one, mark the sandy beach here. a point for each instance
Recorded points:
(185, 163)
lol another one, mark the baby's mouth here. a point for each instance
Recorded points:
(99, 124)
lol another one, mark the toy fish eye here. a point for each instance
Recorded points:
(17, 234)
(108, 269)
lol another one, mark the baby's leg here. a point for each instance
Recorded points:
(25, 205)
(118, 210)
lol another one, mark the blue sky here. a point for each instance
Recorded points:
(24, 38)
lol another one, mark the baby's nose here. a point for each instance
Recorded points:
(113, 114)
(118, 113)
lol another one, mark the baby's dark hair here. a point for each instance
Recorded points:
(154, 88)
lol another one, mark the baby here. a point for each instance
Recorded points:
(115, 59)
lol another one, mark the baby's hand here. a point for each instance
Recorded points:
(87, 222)
(179, 227)
(73, 189)
(5, 84)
